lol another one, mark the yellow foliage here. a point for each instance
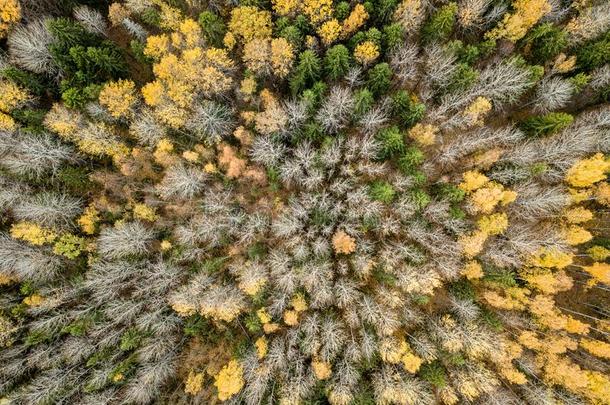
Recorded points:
(576, 235)
(577, 215)
(282, 56)
(270, 327)
(263, 316)
(425, 134)
(513, 375)
(194, 383)
(410, 14)
(165, 245)
(472, 180)
(12, 96)
(472, 244)
(318, 11)
(7, 123)
(170, 17)
(229, 381)
(157, 46)
(184, 308)
(291, 318)
(551, 257)
(343, 243)
(298, 303)
(354, 20)
(248, 23)
(190, 156)
(515, 25)
(118, 97)
(329, 31)
(588, 171)
(191, 31)
(285, 7)
(599, 271)
(321, 369)
(366, 52)
(411, 362)
(32, 233)
(596, 347)
(602, 193)
(493, 224)
(117, 13)
(10, 14)
(546, 281)
(598, 253)
(472, 270)
(598, 387)
(486, 198)
(477, 110)
(88, 220)
(261, 347)
(33, 300)
(144, 212)
(229, 40)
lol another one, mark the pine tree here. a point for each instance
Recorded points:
(337, 62)
(545, 125)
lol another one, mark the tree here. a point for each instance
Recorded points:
(337, 62)
(440, 25)
(545, 125)
(213, 26)
(379, 78)
(545, 42)
(306, 72)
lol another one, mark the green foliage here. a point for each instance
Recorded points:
(196, 325)
(313, 96)
(86, 61)
(253, 323)
(594, 54)
(130, 340)
(342, 10)
(406, 110)
(363, 101)
(491, 319)
(420, 198)
(502, 277)
(449, 192)
(467, 54)
(137, 49)
(306, 72)
(545, 125)
(75, 178)
(579, 81)
(392, 142)
(31, 120)
(213, 27)
(27, 80)
(440, 25)
(337, 62)
(434, 373)
(464, 77)
(378, 78)
(545, 41)
(382, 191)
(411, 158)
(214, 265)
(382, 10)
(393, 36)
(80, 326)
(69, 245)
(292, 34)
(462, 289)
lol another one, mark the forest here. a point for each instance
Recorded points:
(304, 202)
